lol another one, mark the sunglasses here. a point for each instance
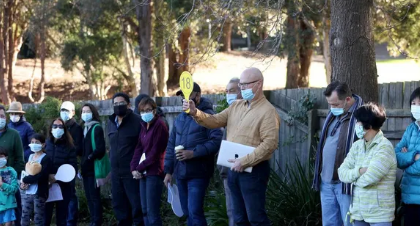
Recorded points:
(55, 126)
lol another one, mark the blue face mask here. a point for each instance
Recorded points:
(2, 123)
(65, 115)
(57, 133)
(147, 117)
(35, 147)
(360, 133)
(337, 111)
(230, 98)
(87, 117)
(247, 94)
(3, 162)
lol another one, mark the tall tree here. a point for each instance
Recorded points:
(352, 46)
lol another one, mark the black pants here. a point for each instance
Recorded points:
(18, 210)
(61, 206)
(412, 215)
(93, 196)
(73, 210)
(126, 201)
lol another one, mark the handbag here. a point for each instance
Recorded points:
(103, 165)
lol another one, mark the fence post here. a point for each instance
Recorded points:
(312, 130)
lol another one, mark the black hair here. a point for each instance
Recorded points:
(40, 137)
(147, 101)
(123, 95)
(95, 113)
(371, 115)
(342, 89)
(415, 94)
(3, 151)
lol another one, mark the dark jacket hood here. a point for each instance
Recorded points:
(205, 104)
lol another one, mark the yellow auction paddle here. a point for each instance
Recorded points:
(187, 84)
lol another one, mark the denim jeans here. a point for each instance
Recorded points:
(191, 194)
(72, 215)
(335, 205)
(93, 197)
(362, 223)
(150, 195)
(229, 206)
(248, 195)
(126, 201)
(61, 207)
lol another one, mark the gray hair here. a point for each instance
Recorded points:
(234, 80)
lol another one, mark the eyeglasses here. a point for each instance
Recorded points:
(245, 85)
(146, 111)
(120, 103)
(59, 126)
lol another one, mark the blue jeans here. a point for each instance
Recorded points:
(150, 196)
(335, 205)
(362, 223)
(191, 194)
(248, 195)
(73, 206)
(229, 206)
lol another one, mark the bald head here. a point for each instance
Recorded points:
(251, 74)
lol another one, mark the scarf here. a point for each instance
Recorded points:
(88, 125)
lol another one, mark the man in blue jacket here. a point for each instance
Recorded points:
(193, 166)
(19, 123)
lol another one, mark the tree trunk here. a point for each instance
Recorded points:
(293, 70)
(160, 53)
(143, 12)
(11, 48)
(306, 49)
(227, 35)
(130, 77)
(173, 78)
(184, 42)
(4, 94)
(43, 56)
(326, 26)
(352, 47)
(6, 13)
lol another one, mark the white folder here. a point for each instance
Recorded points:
(231, 150)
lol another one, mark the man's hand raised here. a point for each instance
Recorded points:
(189, 105)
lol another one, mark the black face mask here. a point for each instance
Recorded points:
(120, 110)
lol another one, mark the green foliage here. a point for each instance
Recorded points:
(305, 104)
(290, 199)
(41, 115)
(221, 105)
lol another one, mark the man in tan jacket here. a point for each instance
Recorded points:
(254, 122)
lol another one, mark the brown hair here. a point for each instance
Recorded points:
(147, 101)
(67, 136)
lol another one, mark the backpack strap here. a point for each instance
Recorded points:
(93, 137)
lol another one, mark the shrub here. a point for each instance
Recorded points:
(41, 115)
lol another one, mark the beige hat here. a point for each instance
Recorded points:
(15, 107)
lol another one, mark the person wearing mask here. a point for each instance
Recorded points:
(254, 122)
(8, 187)
(35, 187)
(19, 123)
(193, 166)
(124, 127)
(159, 111)
(147, 163)
(371, 167)
(92, 129)
(233, 93)
(408, 155)
(337, 136)
(61, 150)
(10, 139)
(67, 113)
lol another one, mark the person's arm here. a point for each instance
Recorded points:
(78, 140)
(405, 159)
(72, 157)
(212, 121)
(12, 188)
(45, 171)
(100, 144)
(29, 133)
(160, 140)
(19, 163)
(211, 146)
(269, 133)
(379, 166)
(138, 152)
(348, 172)
(169, 163)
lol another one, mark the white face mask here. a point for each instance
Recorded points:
(3, 162)
(415, 110)
(35, 147)
(14, 118)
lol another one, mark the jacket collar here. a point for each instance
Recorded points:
(376, 140)
(113, 117)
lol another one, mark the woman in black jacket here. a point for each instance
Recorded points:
(92, 129)
(61, 150)
(34, 188)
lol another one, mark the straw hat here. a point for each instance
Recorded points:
(15, 107)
